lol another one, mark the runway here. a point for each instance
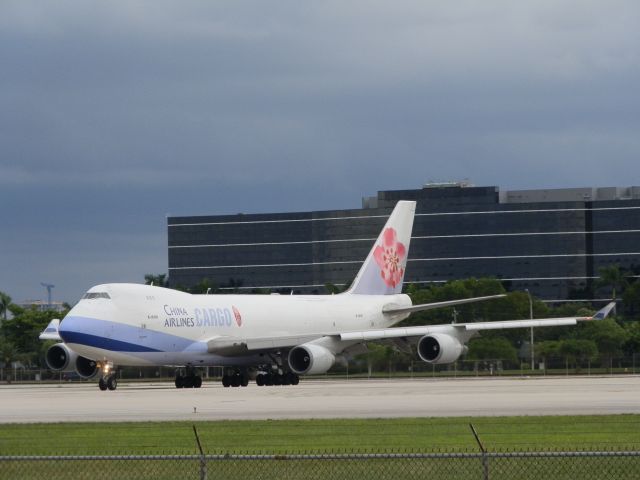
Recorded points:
(323, 399)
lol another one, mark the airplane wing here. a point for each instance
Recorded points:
(51, 332)
(232, 346)
(382, 334)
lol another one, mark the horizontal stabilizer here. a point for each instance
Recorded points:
(51, 332)
(393, 310)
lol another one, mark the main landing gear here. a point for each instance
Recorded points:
(108, 379)
(236, 378)
(190, 380)
(275, 378)
(240, 378)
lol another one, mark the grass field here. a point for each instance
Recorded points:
(582, 433)
(292, 436)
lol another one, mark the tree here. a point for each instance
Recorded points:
(492, 349)
(159, 280)
(8, 352)
(547, 349)
(233, 285)
(8, 355)
(612, 277)
(334, 289)
(632, 345)
(453, 290)
(578, 350)
(384, 357)
(204, 286)
(631, 299)
(5, 301)
(608, 336)
(23, 329)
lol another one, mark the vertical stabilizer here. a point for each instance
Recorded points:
(383, 271)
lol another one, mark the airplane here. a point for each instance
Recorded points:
(272, 339)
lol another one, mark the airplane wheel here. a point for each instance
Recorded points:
(188, 381)
(295, 380)
(260, 380)
(288, 378)
(197, 382)
(235, 380)
(277, 379)
(102, 385)
(244, 380)
(268, 381)
(112, 382)
(226, 381)
(179, 381)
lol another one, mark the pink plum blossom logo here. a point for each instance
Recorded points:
(236, 313)
(390, 256)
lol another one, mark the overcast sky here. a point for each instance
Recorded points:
(114, 115)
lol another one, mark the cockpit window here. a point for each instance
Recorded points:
(93, 295)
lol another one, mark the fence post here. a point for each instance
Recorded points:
(203, 462)
(485, 459)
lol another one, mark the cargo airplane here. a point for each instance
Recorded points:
(270, 338)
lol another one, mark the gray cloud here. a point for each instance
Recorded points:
(114, 114)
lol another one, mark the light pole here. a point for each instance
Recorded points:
(531, 318)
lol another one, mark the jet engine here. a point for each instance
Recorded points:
(310, 359)
(61, 358)
(440, 348)
(86, 368)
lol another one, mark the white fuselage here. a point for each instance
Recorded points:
(145, 325)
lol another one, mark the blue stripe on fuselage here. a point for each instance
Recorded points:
(117, 337)
(103, 342)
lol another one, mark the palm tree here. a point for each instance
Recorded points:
(8, 352)
(5, 301)
(612, 277)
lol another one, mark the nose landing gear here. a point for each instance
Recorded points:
(108, 379)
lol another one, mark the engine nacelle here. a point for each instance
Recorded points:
(61, 358)
(440, 348)
(86, 368)
(310, 359)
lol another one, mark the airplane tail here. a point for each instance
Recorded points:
(383, 271)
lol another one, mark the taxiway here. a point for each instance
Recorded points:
(322, 399)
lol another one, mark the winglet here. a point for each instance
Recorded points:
(51, 332)
(604, 312)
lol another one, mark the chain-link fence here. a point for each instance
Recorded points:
(394, 466)
(405, 367)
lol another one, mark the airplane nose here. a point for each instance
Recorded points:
(69, 325)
